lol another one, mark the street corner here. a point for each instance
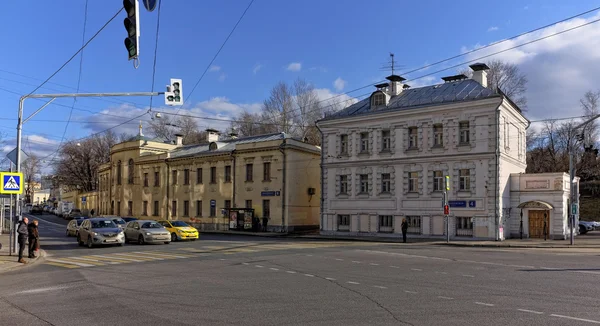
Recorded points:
(10, 263)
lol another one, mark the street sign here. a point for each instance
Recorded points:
(472, 203)
(213, 203)
(457, 203)
(12, 156)
(574, 209)
(150, 4)
(83, 199)
(12, 183)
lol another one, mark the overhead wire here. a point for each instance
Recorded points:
(155, 51)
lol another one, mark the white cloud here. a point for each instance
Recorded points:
(257, 68)
(214, 68)
(32, 144)
(493, 29)
(222, 77)
(339, 84)
(294, 66)
(334, 101)
(560, 69)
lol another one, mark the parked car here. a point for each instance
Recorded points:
(129, 219)
(72, 214)
(120, 222)
(99, 231)
(36, 210)
(73, 227)
(146, 231)
(180, 230)
(585, 227)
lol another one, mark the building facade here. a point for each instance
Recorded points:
(385, 159)
(274, 175)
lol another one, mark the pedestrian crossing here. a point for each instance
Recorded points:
(89, 261)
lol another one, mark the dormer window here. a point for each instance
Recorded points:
(378, 99)
(213, 146)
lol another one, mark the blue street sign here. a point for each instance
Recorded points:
(270, 193)
(213, 203)
(83, 199)
(472, 203)
(457, 203)
(12, 183)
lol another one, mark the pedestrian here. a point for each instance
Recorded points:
(37, 238)
(92, 213)
(22, 231)
(33, 235)
(265, 222)
(404, 228)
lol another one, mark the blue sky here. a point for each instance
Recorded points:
(322, 41)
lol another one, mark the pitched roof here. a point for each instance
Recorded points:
(450, 92)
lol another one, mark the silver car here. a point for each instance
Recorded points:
(143, 231)
(99, 231)
(73, 227)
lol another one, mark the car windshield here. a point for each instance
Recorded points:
(119, 221)
(75, 211)
(103, 224)
(179, 223)
(79, 222)
(151, 225)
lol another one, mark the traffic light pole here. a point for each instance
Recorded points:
(20, 122)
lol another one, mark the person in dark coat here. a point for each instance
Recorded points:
(404, 228)
(92, 213)
(22, 238)
(34, 236)
(265, 221)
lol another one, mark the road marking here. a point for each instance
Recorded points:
(330, 278)
(61, 265)
(309, 275)
(356, 261)
(441, 273)
(413, 292)
(531, 311)
(308, 255)
(116, 258)
(467, 275)
(339, 259)
(416, 269)
(259, 266)
(291, 272)
(587, 272)
(579, 319)
(484, 304)
(222, 259)
(245, 264)
(374, 264)
(522, 266)
(51, 288)
(90, 261)
(70, 262)
(379, 287)
(137, 257)
(394, 267)
(446, 298)
(274, 269)
(351, 282)
(162, 254)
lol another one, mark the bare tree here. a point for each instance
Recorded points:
(590, 103)
(167, 127)
(248, 124)
(163, 127)
(309, 111)
(278, 109)
(31, 168)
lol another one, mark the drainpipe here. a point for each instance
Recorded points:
(233, 179)
(169, 217)
(321, 208)
(496, 193)
(283, 188)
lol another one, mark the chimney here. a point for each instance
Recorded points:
(479, 73)
(395, 84)
(212, 135)
(233, 134)
(178, 139)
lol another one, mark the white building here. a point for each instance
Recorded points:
(385, 159)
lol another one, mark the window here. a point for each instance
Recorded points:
(506, 135)
(364, 183)
(248, 203)
(213, 174)
(438, 181)
(228, 203)
(213, 211)
(386, 223)
(227, 173)
(412, 137)
(174, 208)
(464, 226)
(155, 208)
(386, 140)
(145, 179)
(174, 176)
(145, 208)
(438, 135)
(343, 222)
(186, 208)
(414, 224)
(249, 172)
(156, 179)
(199, 175)
(413, 181)
(386, 182)
(344, 144)
(464, 179)
(463, 129)
(378, 99)
(266, 208)
(130, 208)
(343, 184)
(119, 173)
(364, 142)
(198, 208)
(186, 176)
(267, 171)
(118, 208)
(112, 207)
(130, 171)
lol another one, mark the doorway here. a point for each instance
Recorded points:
(536, 223)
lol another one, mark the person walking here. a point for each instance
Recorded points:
(22, 238)
(404, 228)
(265, 221)
(33, 236)
(92, 213)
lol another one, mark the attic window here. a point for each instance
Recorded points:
(378, 99)
(212, 146)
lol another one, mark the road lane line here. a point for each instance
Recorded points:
(339, 259)
(446, 298)
(92, 261)
(416, 269)
(330, 278)
(379, 287)
(394, 267)
(274, 269)
(356, 261)
(308, 255)
(70, 262)
(110, 258)
(578, 319)
(61, 265)
(259, 266)
(467, 275)
(441, 273)
(245, 264)
(291, 272)
(309, 275)
(351, 282)
(51, 288)
(374, 264)
(137, 257)
(531, 311)
(161, 255)
(484, 304)
(413, 292)
(222, 259)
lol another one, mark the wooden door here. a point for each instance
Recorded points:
(536, 223)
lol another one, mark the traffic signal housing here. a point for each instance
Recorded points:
(132, 25)
(174, 93)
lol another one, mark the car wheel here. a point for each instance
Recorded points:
(141, 240)
(167, 242)
(68, 233)
(122, 244)
(194, 239)
(79, 241)
(173, 237)
(90, 244)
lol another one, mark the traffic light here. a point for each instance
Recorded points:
(447, 182)
(446, 209)
(174, 93)
(132, 25)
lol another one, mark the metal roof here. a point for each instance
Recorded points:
(450, 92)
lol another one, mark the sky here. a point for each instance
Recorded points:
(336, 46)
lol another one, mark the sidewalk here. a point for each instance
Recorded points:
(580, 242)
(9, 263)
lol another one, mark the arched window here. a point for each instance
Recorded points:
(130, 171)
(378, 99)
(119, 175)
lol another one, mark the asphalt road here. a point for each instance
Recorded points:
(227, 280)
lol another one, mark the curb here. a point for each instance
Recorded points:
(516, 246)
(30, 262)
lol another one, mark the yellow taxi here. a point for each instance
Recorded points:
(180, 230)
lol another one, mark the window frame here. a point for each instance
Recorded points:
(363, 183)
(145, 208)
(413, 181)
(438, 135)
(155, 208)
(146, 179)
(378, 99)
(438, 180)
(344, 144)
(198, 208)
(364, 142)
(344, 184)
(199, 176)
(464, 131)
(386, 183)
(157, 178)
(249, 172)
(464, 180)
(186, 208)
(213, 175)
(227, 173)
(266, 171)
(413, 138)
(386, 140)
(130, 171)
(186, 177)
(174, 176)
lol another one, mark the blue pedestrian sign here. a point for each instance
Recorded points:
(12, 183)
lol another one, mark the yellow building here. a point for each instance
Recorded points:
(275, 175)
